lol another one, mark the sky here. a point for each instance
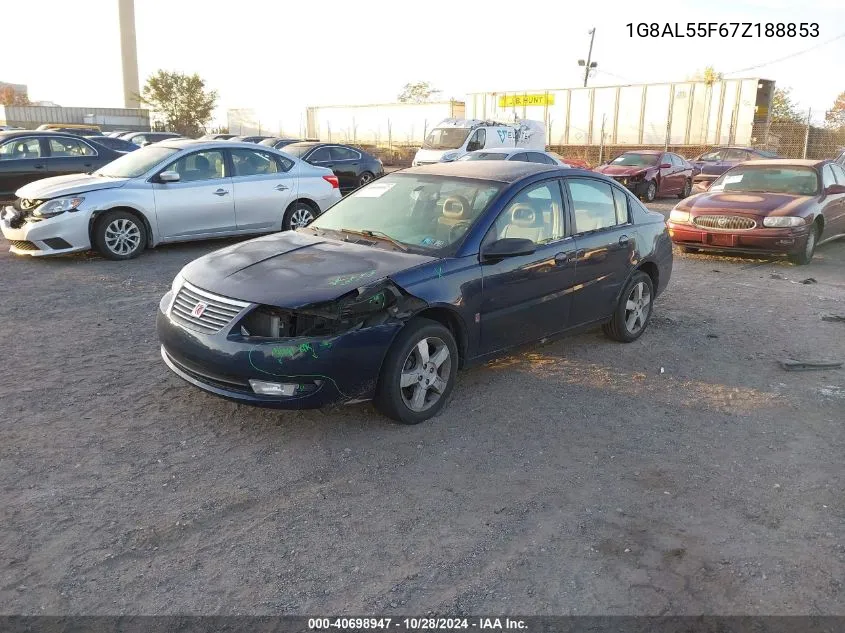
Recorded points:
(279, 56)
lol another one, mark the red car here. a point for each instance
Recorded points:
(651, 173)
(771, 207)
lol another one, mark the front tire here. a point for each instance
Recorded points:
(650, 192)
(298, 215)
(418, 373)
(119, 235)
(806, 255)
(633, 312)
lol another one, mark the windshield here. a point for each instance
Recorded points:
(423, 212)
(298, 150)
(796, 181)
(485, 156)
(635, 160)
(446, 138)
(138, 162)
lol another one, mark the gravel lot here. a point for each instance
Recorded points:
(685, 473)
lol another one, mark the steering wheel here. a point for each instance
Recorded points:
(458, 230)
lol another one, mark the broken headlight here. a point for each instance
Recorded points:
(363, 307)
(57, 207)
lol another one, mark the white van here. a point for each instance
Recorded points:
(453, 138)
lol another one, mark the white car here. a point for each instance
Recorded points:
(171, 191)
(514, 153)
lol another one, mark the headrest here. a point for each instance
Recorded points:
(455, 207)
(524, 215)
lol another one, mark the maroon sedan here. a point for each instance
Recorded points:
(770, 207)
(710, 165)
(651, 173)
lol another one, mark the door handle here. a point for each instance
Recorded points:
(562, 259)
(221, 192)
(623, 240)
(280, 188)
(38, 166)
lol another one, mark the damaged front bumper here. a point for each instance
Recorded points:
(309, 365)
(65, 233)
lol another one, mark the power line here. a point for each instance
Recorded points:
(780, 59)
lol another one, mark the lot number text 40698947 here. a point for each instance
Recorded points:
(723, 29)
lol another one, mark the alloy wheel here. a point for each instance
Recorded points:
(651, 192)
(300, 217)
(637, 308)
(425, 374)
(122, 236)
(810, 246)
(365, 179)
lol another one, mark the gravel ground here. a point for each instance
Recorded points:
(685, 473)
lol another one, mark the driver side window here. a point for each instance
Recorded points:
(199, 166)
(534, 213)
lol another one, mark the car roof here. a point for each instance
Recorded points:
(501, 171)
(506, 150)
(786, 162)
(643, 151)
(191, 143)
(5, 135)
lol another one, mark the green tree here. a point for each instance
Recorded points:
(8, 97)
(783, 108)
(182, 100)
(835, 117)
(417, 92)
(708, 75)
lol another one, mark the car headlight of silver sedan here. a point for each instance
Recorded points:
(784, 221)
(56, 207)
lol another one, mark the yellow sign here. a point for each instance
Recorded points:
(509, 101)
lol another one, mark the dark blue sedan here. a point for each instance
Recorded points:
(397, 286)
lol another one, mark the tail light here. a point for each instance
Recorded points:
(332, 180)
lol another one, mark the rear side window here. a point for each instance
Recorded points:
(620, 201)
(253, 163)
(67, 147)
(320, 155)
(839, 174)
(737, 155)
(522, 157)
(18, 149)
(593, 204)
(827, 177)
(343, 153)
(537, 157)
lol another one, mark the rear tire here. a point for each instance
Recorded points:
(424, 357)
(687, 249)
(365, 179)
(806, 255)
(298, 215)
(633, 312)
(119, 235)
(687, 189)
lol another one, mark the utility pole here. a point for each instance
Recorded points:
(589, 64)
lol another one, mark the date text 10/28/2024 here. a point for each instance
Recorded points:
(723, 29)
(415, 624)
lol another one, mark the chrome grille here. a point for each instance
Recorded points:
(217, 311)
(724, 222)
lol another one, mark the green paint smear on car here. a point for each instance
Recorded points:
(344, 280)
(270, 373)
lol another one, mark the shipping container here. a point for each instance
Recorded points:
(30, 117)
(384, 124)
(730, 111)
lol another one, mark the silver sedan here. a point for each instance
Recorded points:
(171, 191)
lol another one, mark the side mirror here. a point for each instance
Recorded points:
(665, 165)
(169, 176)
(834, 189)
(508, 247)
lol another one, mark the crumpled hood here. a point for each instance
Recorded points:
(621, 170)
(758, 204)
(293, 269)
(69, 185)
